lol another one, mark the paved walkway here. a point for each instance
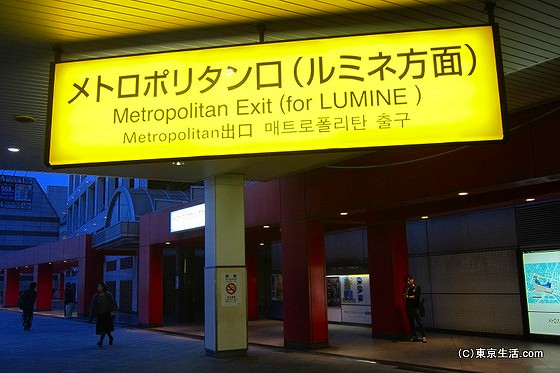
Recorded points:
(56, 344)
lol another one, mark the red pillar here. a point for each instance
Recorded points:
(150, 285)
(62, 285)
(43, 277)
(252, 293)
(303, 271)
(90, 273)
(11, 287)
(388, 265)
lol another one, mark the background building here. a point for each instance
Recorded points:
(27, 218)
(109, 209)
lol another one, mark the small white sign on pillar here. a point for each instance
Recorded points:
(231, 294)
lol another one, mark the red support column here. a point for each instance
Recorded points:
(90, 273)
(43, 275)
(252, 293)
(11, 287)
(150, 285)
(388, 265)
(303, 271)
(62, 285)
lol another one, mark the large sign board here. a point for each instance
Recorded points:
(16, 192)
(355, 92)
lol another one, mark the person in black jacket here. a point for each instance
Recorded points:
(412, 293)
(69, 300)
(26, 302)
(103, 307)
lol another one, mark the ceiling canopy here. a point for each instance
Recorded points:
(32, 32)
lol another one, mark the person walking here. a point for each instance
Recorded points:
(26, 302)
(412, 293)
(69, 300)
(103, 307)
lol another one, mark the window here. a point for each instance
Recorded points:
(126, 263)
(101, 195)
(111, 266)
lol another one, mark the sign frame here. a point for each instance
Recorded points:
(500, 88)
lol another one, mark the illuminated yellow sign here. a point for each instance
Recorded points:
(438, 86)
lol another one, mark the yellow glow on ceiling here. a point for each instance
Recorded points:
(71, 20)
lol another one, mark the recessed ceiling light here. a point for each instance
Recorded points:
(425, 217)
(13, 150)
(343, 213)
(463, 193)
(266, 226)
(24, 118)
(529, 199)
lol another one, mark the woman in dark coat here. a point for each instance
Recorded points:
(103, 307)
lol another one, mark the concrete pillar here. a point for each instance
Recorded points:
(225, 277)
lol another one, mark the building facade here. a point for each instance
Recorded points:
(27, 217)
(109, 210)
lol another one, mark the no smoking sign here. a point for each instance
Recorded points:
(231, 288)
(230, 297)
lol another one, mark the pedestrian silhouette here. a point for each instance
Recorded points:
(26, 302)
(103, 307)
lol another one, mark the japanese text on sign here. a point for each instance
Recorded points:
(231, 295)
(341, 93)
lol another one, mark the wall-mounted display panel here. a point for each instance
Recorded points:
(541, 271)
(348, 299)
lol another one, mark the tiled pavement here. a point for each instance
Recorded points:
(56, 344)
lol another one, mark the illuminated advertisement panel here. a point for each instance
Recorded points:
(355, 92)
(348, 299)
(542, 287)
(188, 218)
